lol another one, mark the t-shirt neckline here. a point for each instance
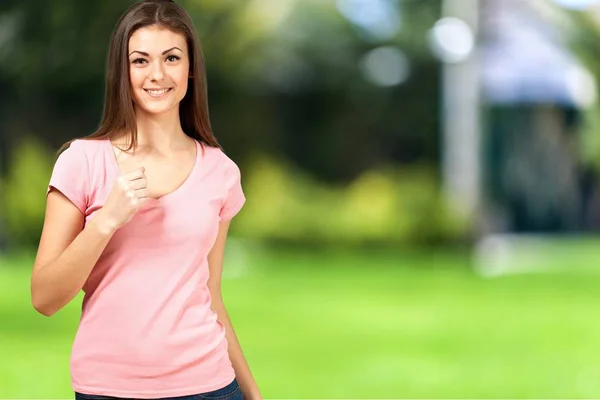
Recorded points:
(112, 161)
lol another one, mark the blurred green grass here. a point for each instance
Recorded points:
(359, 324)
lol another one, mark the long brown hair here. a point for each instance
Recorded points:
(119, 114)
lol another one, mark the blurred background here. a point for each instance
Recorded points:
(422, 180)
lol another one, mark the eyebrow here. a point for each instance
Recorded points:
(148, 55)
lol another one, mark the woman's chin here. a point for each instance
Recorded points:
(156, 109)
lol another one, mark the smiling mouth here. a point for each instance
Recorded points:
(157, 92)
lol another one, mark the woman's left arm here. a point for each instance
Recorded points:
(215, 264)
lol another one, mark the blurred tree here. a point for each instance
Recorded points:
(583, 30)
(285, 78)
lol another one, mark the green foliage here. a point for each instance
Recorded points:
(23, 201)
(590, 137)
(285, 69)
(382, 205)
(583, 31)
(288, 72)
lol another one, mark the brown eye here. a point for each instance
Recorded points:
(138, 61)
(173, 58)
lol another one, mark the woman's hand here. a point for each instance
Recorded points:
(127, 196)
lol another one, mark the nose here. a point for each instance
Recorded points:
(157, 73)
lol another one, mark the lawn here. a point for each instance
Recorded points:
(362, 324)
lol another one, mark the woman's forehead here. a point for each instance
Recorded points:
(155, 39)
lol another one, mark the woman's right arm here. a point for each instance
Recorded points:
(66, 255)
(68, 251)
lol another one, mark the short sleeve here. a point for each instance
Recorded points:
(70, 175)
(234, 198)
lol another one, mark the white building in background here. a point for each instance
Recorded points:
(511, 95)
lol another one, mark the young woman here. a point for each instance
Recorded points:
(137, 216)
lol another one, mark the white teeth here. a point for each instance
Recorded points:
(156, 92)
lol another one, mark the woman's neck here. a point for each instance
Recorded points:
(160, 132)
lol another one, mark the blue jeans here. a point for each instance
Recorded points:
(229, 392)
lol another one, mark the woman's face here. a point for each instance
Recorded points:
(159, 68)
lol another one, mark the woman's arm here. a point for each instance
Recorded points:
(68, 252)
(242, 370)
(66, 255)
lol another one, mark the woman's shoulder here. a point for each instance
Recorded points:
(92, 150)
(88, 145)
(218, 156)
(85, 155)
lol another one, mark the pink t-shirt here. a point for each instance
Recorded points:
(146, 328)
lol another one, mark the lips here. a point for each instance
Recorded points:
(158, 92)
